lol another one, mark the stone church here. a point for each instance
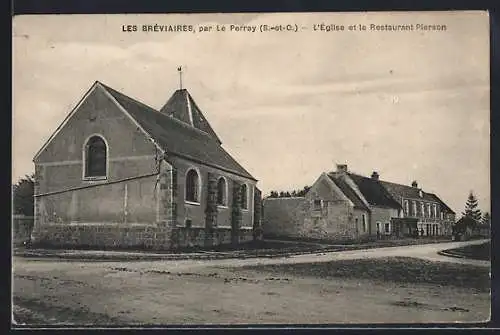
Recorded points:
(118, 173)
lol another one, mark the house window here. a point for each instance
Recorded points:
(378, 227)
(422, 210)
(244, 196)
(414, 205)
(95, 157)
(407, 208)
(429, 210)
(363, 218)
(435, 210)
(317, 204)
(387, 228)
(192, 186)
(221, 192)
(442, 216)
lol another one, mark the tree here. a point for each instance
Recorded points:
(303, 192)
(23, 199)
(486, 219)
(471, 210)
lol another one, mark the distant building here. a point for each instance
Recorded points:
(345, 206)
(118, 173)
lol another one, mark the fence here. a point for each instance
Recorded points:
(21, 228)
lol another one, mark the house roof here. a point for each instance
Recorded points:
(374, 192)
(380, 193)
(178, 137)
(399, 190)
(183, 107)
(348, 192)
(444, 207)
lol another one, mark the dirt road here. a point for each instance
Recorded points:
(424, 251)
(48, 291)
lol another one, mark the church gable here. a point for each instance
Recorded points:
(96, 114)
(138, 130)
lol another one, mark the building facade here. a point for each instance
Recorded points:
(345, 206)
(118, 173)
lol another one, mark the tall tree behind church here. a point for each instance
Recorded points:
(23, 191)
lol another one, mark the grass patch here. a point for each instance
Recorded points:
(393, 269)
(264, 249)
(365, 243)
(478, 251)
(247, 246)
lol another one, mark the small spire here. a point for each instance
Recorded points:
(179, 69)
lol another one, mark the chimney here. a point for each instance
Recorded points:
(341, 168)
(414, 184)
(375, 175)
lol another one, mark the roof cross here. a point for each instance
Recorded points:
(179, 69)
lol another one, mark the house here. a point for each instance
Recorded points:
(118, 173)
(342, 205)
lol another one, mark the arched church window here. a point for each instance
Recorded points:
(96, 157)
(221, 192)
(244, 196)
(192, 186)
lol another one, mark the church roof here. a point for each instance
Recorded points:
(182, 107)
(178, 137)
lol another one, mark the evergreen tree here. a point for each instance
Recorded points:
(471, 210)
(486, 219)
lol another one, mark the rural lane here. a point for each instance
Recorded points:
(423, 251)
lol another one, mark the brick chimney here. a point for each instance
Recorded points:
(341, 168)
(375, 175)
(414, 184)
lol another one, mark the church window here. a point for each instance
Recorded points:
(221, 192)
(95, 157)
(192, 186)
(244, 196)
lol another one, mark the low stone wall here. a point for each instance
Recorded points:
(189, 237)
(21, 228)
(99, 236)
(132, 236)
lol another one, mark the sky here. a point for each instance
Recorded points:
(412, 105)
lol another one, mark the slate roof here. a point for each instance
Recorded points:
(374, 192)
(381, 193)
(178, 137)
(348, 192)
(444, 207)
(182, 107)
(398, 190)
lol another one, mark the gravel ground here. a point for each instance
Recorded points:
(353, 288)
